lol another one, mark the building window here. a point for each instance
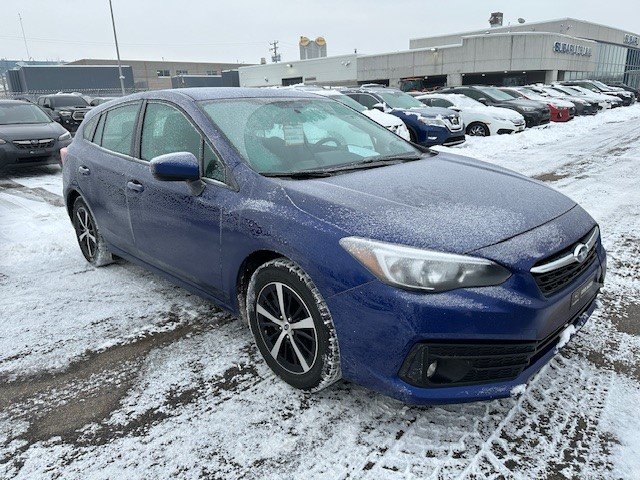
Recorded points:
(212, 72)
(164, 73)
(182, 72)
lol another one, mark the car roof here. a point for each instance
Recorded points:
(214, 93)
(14, 102)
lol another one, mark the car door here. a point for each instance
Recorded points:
(175, 225)
(106, 169)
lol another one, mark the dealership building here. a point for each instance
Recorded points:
(518, 54)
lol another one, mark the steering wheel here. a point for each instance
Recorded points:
(324, 141)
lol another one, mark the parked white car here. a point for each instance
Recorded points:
(605, 101)
(387, 120)
(480, 120)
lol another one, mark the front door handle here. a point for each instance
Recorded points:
(135, 186)
(83, 170)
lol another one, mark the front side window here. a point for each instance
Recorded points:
(119, 126)
(367, 100)
(166, 130)
(283, 135)
(441, 102)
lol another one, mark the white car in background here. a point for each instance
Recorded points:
(387, 120)
(480, 120)
(605, 101)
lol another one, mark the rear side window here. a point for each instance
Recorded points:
(166, 130)
(119, 128)
(88, 128)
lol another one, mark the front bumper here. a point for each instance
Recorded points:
(379, 327)
(537, 117)
(12, 156)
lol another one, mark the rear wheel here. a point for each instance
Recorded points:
(478, 129)
(91, 243)
(292, 326)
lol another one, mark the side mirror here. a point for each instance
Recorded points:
(454, 108)
(483, 100)
(378, 106)
(175, 167)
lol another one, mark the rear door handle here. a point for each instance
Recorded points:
(83, 170)
(135, 186)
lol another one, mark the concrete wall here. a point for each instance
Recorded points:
(566, 26)
(478, 53)
(340, 70)
(145, 73)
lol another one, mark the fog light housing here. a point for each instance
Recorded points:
(431, 369)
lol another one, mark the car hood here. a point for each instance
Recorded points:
(31, 131)
(430, 112)
(382, 118)
(74, 109)
(523, 102)
(445, 202)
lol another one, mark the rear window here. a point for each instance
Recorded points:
(119, 127)
(68, 101)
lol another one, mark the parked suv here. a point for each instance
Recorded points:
(428, 126)
(68, 109)
(598, 87)
(534, 113)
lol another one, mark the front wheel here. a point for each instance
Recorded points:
(292, 326)
(478, 129)
(91, 243)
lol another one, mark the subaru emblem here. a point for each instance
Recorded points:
(580, 253)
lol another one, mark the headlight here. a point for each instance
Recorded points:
(432, 121)
(2, 142)
(528, 109)
(65, 136)
(417, 269)
(64, 113)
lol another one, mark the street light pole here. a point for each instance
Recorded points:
(115, 37)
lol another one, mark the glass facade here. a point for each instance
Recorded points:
(615, 64)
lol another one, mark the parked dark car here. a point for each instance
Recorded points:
(351, 252)
(583, 106)
(534, 113)
(627, 88)
(66, 109)
(428, 126)
(599, 87)
(28, 136)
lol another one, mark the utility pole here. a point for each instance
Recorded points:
(275, 58)
(115, 38)
(24, 37)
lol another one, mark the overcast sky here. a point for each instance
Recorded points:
(240, 30)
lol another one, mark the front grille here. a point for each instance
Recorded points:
(32, 144)
(555, 280)
(469, 363)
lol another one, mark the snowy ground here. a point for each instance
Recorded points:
(115, 373)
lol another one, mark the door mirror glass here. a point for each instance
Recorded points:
(175, 167)
(483, 100)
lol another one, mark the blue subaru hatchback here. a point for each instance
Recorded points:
(351, 253)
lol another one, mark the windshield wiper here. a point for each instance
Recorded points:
(378, 161)
(299, 175)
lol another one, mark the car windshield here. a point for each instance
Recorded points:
(287, 135)
(22, 113)
(495, 93)
(68, 101)
(401, 100)
(347, 100)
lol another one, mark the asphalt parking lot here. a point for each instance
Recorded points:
(114, 372)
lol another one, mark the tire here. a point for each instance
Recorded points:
(478, 129)
(305, 356)
(90, 240)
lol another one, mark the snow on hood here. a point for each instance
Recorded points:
(384, 119)
(507, 113)
(446, 202)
